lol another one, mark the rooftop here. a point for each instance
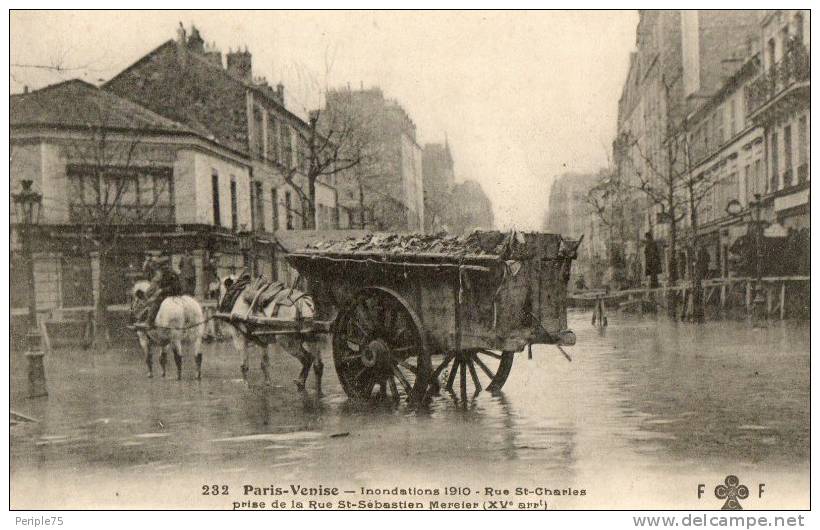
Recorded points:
(77, 103)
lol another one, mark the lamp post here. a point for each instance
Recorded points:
(27, 205)
(735, 208)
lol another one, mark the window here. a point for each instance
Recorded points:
(288, 212)
(260, 208)
(732, 118)
(784, 40)
(234, 213)
(775, 169)
(257, 133)
(746, 185)
(706, 144)
(802, 150)
(757, 186)
(252, 204)
(120, 194)
(787, 156)
(772, 54)
(215, 198)
(287, 146)
(273, 139)
(717, 119)
(301, 151)
(798, 27)
(274, 199)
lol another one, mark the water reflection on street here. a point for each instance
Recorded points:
(646, 410)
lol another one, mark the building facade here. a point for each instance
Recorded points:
(185, 81)
(119, 183)
(438, 174)
(681, 61)
(726, 158)
(570, 214)
(386, 192)
(778, 101)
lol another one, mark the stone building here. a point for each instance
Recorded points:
(119, 182)
(438, 173)
(681, 60)
(471, 209)
(727, 159)
(570, 214)
(778, 101)
(387, 190)
(186, 81)
(752, 138)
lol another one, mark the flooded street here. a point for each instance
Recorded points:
(647, 410)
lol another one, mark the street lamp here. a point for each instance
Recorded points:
(27, 205)
(734, 208)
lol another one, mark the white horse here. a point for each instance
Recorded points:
(283, 303)
(179, 325)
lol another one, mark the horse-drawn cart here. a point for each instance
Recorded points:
(412, 314)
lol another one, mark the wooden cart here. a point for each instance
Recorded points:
(407, 322)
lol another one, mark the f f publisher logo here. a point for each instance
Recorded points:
(731, 491)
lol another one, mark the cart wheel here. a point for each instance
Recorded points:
(378, 341)
(476, 369)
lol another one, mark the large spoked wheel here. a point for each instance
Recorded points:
(466, 373)
(379, 347)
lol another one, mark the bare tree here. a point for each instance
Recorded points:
(666, 179)
(331, 144)
(698, 187)
(612, 202)
(113, 183)
(658, 176)
(335, 143)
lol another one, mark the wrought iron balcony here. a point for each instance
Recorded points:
(794, 68)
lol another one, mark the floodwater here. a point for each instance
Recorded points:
(646, 411)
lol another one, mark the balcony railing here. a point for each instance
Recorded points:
(795, 67)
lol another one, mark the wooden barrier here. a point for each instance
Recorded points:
(774, 291)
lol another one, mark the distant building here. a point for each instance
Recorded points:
(439, 178)
(389, 187)
(570, 215)
(471, 209)
(112, 170)
(186, 81)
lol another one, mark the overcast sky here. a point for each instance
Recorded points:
(522, 96)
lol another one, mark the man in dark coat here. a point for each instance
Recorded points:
(164, 283)
(652, 259)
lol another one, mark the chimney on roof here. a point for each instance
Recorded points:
(195, 42)
(182, 45)
(25, 89)
(280, 92)
(213, 55)
(239, 65)
(181, 34)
